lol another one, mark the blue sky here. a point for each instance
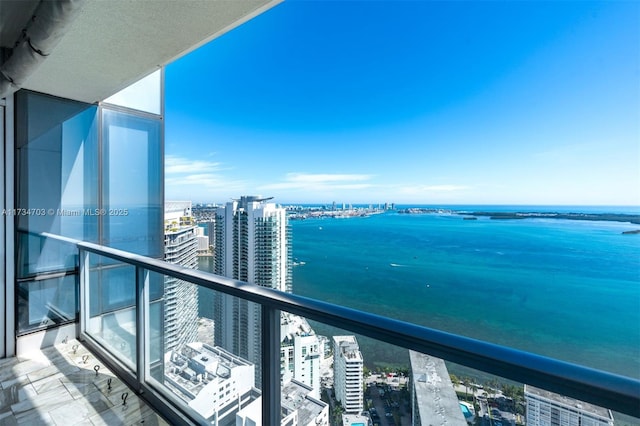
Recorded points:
(412, 102)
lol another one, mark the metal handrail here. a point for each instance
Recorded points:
(616, 392)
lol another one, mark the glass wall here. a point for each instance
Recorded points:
(132, 183)
(144, 95)
(57, 179)
(88, 172)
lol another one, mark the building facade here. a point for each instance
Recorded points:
(299, 408)
(213, 382)
(348, 379)
(300, 352)
(180, 298)
(251, 240)
(546, 408)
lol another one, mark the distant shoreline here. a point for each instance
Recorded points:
(609, 217)
(496, 215)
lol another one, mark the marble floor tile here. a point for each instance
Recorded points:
(43, 403)
(80, 411)
(28, 366)
(49, 383)
(34, 418)
(84, 382)
(6, 366)
(14, 394)
(71, 414)
(7, 418)
(122, 415)
(79, 391)
(60, 387)
(21, 380)
(8, 397)
(7, 372)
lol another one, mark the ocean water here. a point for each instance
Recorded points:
(561, 288)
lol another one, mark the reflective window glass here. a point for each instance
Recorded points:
(143, 95)
(43, 303)
(57, 179)
(132, 183)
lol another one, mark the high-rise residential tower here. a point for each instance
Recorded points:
(347, 367)
(433, 397)
(180, 298)
(251, 242)
(300, 352)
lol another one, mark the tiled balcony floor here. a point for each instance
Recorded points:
(59, 386)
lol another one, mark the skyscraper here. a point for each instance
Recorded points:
(300, 352)
(180, 298)
(347, 367)
(251, 242)
(433, 397)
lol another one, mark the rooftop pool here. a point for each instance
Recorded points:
(465, 411)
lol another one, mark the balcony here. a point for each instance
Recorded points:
(128, 341)
(65, 384)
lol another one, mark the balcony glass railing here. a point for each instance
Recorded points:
(198, 378)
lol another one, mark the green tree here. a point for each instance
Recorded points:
(365, 372)
(454, 379)
(466, 381)
(337, 414)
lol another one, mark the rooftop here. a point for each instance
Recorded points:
(349, 347)
(295, 396)
(294, 325)
(355, 420)
(570, 403)
(198, 364)
(436, 399)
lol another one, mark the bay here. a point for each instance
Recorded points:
(561, 288)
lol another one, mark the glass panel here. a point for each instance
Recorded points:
(45, 302)
(112, 318)
(38, 255)
(56, 185)
(211, 371)
(57, 166)
(362, 379)
(132, 185)
(143, 95)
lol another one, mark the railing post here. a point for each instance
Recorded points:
(142, 325)
(83, 283)
(270, 365)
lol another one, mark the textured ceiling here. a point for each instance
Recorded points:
(114, 43)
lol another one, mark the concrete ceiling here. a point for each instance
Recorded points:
(114, 43)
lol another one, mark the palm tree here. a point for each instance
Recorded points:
(337, 414)
(454, 379)
(465, 382)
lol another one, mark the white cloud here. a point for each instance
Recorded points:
(445, 188)
(203, 180)
(179, 165)
(321, 182)
(198, 180)
(420, 189)
(326, 177)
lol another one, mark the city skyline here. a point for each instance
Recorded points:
(412, 103)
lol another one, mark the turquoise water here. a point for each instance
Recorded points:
(465, 411)
(567, 289)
